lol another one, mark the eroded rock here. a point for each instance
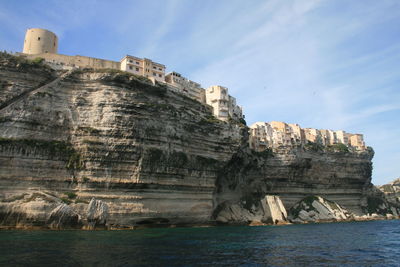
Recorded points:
(97, 214)
(317, 209)
(267, 210)
(63, 216)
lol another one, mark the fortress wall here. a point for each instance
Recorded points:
(76, 61)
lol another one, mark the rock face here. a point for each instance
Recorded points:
(382, 201)
(63, 216)
(295, 173)
(268, 210)
(392, 191)
(142, 150)
(146, 155)
(97, 213)
(317, 209)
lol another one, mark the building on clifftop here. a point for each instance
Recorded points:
(143, 67)
(186, 86)
(275, 134)
(224, 105)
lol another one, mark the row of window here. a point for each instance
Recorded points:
(137, 69)
(147, 64)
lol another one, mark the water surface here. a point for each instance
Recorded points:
(336, 244)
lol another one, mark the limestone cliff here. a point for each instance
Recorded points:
(294, 173)
(392, 191)
(100, 148)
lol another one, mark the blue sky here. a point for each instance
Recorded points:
(320, 63)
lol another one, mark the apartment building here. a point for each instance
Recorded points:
(275, 134)
(224, 105)
(143, 67)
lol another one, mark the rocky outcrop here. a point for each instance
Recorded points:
(269, 210)
(121, 152)
(392, 191)
(381, 203)
(317, 209)
(97, 214)
(29, 209)
(63, 216)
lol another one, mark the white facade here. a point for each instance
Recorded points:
(143, 67)
(342, 137)
(223, 104)
(274, 134)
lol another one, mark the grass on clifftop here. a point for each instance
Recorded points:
(22, 63)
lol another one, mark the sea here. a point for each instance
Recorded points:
(373, 243)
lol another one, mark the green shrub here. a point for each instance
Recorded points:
(243, 121)
(70, 195)
(38, 60)
(316, 147)
(81, 201)
(338, 148)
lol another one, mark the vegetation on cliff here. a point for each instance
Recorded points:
(52, 148)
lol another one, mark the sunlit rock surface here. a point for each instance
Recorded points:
(121, 152)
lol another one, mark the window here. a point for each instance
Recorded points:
(130, 61)
(159, 69)
(154, 74)
(159, 75)
(38, 38)
(130, 67)
(137, 62)
(137, 69)
(154, 67)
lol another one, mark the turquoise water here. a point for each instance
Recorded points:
(336, 244)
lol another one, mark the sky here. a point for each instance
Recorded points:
(320, 63)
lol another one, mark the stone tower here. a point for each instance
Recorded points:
(39, 41)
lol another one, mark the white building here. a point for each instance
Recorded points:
(186, 86)
(342, 137)
(224, 105)
(274, 134)
(261, 136)
(143, 67)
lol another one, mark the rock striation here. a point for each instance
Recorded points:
(295, 173)
(104, 148)
(142, 150)
(392, 191)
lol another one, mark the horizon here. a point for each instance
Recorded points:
(319, 64)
